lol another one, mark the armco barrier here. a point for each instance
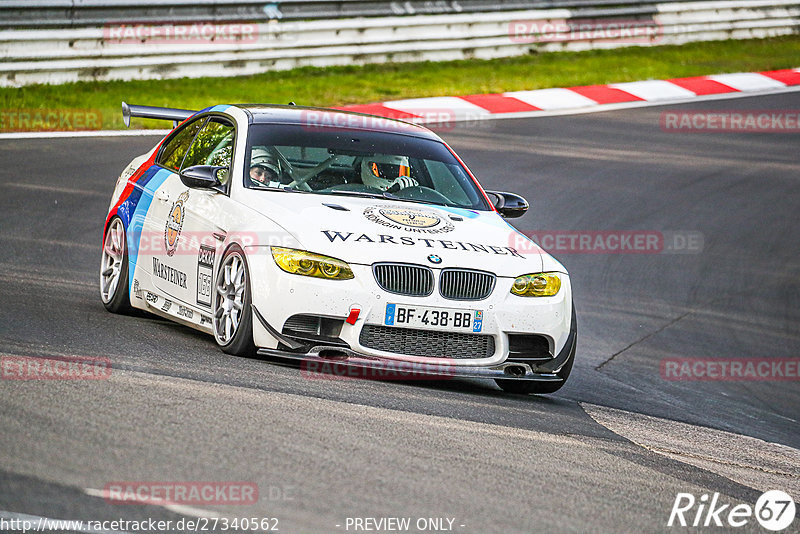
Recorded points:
(82, 40)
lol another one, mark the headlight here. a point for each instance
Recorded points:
(537, 285)
(310, 264)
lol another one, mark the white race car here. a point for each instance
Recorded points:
(333, 237)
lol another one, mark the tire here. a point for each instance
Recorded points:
(232, 314)
(526, 387)
(114, 269)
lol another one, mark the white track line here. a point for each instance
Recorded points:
(749, 461)
(177, 508)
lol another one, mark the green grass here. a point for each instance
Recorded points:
(373, 83)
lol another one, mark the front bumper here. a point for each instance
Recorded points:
(278, 296)
(340, 360)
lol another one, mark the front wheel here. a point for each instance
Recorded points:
(114, 269)
(233, 317)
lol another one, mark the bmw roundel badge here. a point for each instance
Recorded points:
(433, 258)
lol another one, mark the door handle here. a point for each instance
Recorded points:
(163, 196)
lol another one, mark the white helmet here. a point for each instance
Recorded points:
(264, 166)
(381, 171)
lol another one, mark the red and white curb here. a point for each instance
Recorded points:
(584, 99)
(540, 102)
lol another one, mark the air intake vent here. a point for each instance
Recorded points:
(462, 284)
(403, 279)
(427, 343)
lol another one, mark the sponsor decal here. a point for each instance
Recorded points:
(411, 220)
(204, 319)
(183, 311)
(334, 235)
(205, 274)
(169, 274)
(137, 291)
(172, 230)
(152, 297)
(167, 305)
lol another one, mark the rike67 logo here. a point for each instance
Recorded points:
(774, 510)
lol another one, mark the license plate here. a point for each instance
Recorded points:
(425, 317)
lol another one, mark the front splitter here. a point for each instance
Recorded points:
(352, 364)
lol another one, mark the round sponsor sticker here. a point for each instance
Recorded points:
(414, 220)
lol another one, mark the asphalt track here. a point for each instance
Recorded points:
(177, 409)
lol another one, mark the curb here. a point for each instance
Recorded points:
(581, 99)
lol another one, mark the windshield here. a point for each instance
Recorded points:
(363, 163)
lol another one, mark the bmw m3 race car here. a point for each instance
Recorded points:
(326, 236)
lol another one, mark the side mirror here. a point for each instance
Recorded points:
(509, 205)
(203, 176)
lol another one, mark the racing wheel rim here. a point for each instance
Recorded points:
(231, 287)
(111, 264)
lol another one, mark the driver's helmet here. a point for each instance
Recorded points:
(264, 167)
(380, 171)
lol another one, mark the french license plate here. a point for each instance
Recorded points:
(424, 317)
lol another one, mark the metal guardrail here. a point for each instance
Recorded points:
(149, 51)
(74, 13)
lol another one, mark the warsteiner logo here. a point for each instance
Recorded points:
(411, 220)
(172, 230)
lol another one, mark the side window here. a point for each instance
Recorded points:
(174, 151)
(212, 146)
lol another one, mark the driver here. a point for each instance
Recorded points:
(387, 173)
(264, 167)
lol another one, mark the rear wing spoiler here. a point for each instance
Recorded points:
(150, 112)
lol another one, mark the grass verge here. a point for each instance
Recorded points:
(372, 83)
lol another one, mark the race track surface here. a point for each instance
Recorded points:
(582, 460)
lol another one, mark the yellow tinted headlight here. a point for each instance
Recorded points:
(537, 285)
(309, 264)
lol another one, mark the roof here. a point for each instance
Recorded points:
(331, 118)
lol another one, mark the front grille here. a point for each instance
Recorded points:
(462, 284)
(427, 343)
(402, 279)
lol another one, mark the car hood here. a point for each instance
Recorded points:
(365, 231)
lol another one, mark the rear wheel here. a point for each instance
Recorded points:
(114, 269)
(233, 317)
(526, 387)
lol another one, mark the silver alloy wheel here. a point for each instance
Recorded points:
(111, 264)
(231, 286)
